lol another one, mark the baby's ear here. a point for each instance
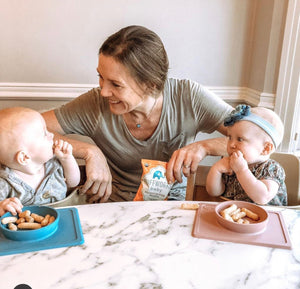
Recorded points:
(268, 148)
(22, 158)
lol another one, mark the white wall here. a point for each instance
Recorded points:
(48, 48)
(57, 41)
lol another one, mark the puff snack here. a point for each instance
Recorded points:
(189, 206)
(235, 214)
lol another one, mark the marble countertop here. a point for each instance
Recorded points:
(141, 245)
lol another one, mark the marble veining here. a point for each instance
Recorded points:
(141, 245)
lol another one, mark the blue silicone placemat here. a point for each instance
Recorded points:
(69, 233)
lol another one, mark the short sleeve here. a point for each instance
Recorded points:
(80, 115)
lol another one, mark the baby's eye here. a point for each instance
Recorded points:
(240, 139)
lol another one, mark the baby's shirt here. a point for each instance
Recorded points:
(52, 188)
(269, 170)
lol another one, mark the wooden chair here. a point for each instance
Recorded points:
(195, 190)
(196, 183)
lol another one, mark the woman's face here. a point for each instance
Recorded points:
(121, 90)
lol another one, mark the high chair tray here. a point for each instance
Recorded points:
(206, 226)
(69, 233)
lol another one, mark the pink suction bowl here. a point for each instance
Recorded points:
(255, 227)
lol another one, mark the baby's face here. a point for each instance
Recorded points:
(41, 147)
(248, 138)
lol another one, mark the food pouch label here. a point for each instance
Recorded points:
(154, 185)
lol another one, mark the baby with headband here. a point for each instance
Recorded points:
(248, 173)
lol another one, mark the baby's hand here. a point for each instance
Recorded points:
(62, 149)
(237, 162)
(12, 205)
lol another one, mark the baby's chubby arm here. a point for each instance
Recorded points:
(63, 151)
(214, 184)
(260, 191)
(12, 205)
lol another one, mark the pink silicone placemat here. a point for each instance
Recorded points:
(206, 226)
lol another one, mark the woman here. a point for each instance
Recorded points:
(138, 113)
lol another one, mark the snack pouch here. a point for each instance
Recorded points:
(154, 185)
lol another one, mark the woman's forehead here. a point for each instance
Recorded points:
(111, 69)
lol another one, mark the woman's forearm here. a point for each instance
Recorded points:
(215, 146)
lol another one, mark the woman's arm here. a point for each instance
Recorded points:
(98, 183)
(187, 159)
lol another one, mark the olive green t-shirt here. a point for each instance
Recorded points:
(188, 108)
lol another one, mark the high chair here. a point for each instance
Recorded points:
(196, 183)
(291, 165)
(73, 197)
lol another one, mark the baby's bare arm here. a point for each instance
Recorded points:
(214, 184)
(259, 191)
(63, 151)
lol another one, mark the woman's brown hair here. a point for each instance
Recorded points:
(142, 52)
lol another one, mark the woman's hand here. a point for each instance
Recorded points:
(186, 160)
(98, 182)
(12, 205)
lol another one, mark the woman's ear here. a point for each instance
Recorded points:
(268, 148)
(22, 158)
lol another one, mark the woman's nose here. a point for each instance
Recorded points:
(105, 90)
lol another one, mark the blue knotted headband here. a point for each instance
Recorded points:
(243, 112)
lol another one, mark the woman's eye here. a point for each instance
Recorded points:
(116, 85)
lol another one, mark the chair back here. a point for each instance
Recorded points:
(196, 183)
(291, 165)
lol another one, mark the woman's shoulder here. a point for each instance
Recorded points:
(92, 94)
(182, 88)
(185, 82)
(90, 100)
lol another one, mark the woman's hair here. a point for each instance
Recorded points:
(142, 52)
